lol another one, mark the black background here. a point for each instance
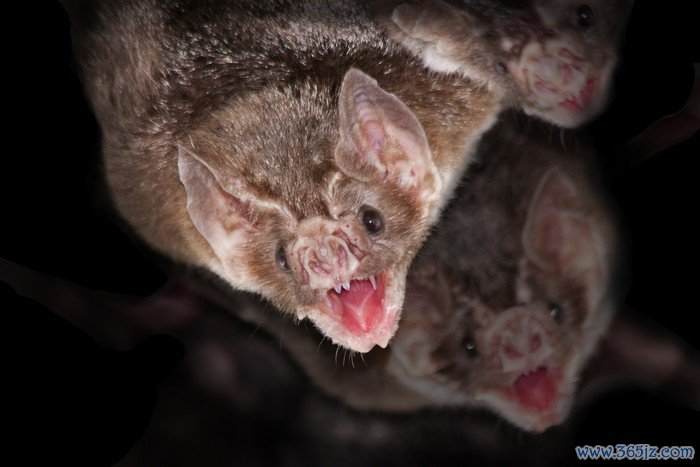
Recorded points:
(56, 219)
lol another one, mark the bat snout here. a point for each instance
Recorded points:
(562, 79)
(520, 341)
(325, 256)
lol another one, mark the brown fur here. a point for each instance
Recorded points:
(175, 90)
(251, 88)
(486, 40)
(469, 273)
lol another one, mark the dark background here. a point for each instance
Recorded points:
(56, 219)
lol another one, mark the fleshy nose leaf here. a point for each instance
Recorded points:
(324, 254)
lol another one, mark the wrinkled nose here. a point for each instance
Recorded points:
(327, 257)
(557, 63)
(548, 68)
(518, 347)
(523, 342)
(323, 254)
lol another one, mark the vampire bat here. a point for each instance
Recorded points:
(237, 396)
(288, 147)
(511, 295)
(507, 325)
(506, 301)
(553, 59)
(252, 140)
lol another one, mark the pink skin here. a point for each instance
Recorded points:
(327, 255)
(539, 396)
(519, 345)
(518, 340)
(536, 389)
(560, 83)
(360, 308)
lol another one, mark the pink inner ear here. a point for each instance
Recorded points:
(544, 234)
(559, 235)
(381, 140)
(580, 256)
(374, 135)
(218, 215)
(235, 205)
(548, 240)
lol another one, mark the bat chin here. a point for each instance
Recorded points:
(536, 400)
(361, 313)
(574, 109)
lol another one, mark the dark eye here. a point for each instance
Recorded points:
(281, 259)
(372, 220)
(469, 347)
(501, 67)
(585, 17)
(556, 313)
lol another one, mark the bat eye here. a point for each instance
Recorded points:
(585, 17)
(556, 313)
(372, 220)
(469, 347)
(281, 260)
(501, 67)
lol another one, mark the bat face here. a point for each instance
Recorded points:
(553, 59)
(513, 331)
(565, 76)
(235, 140)
(319, 211)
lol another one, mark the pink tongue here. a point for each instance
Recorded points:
(536, 390)
(362, 306)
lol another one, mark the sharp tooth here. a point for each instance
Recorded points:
(337, 288)
(346, 285)
(373, 281)
(327, 302)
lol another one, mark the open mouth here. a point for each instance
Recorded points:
(358, 304)
(535, 401)
(536, 390)
(581, 100)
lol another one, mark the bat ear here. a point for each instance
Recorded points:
(217, 207)
(440, 24)
(413, 348)
(559, 235)
(428, 316)
(382, 141)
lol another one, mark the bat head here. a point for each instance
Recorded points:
(513, 335)
(563, 73)
(553, 59)
(321, 204)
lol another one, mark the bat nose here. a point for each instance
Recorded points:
(556, 64)
(323, 254)
(523, 342)
(522, 345)
(328, 256)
